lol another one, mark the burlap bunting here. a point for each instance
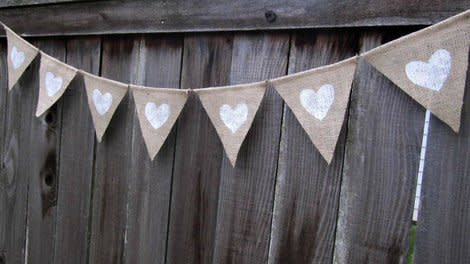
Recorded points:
(231, 110)
(20, 55)
(430, 65)
(157, 109)
(319, 98)
(54, 77)
(104, 96)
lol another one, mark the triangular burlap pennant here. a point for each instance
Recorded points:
(54, 77)
(232, 110)
(157, 109)
(319, 98)
(430, 65)
(20, 55)
(104, 96)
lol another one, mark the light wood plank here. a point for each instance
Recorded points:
(307, 188)
(246, 192)
(144, 16)
(380, 168)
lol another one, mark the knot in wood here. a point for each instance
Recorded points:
(270, 16)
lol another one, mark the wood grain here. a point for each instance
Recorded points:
(206, 62)
(17, 152)
(41, 168)
(16, 3)
(444, 215)
(113, 159)
(307, 188)
(146, 16)
(76, 157)
(380, 168)
(246, 192)
(4, 181)
(159, 65)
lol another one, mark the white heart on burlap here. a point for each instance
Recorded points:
(318, 103)
(232, 110)
(157, 110)
(54, 78)
(431, 74)
(20, 55)
(319, 98)
(101, 101)
(157, 116)
(53, 83)
(16, 57)
(104, 96)
(234, 118)
(430, 65)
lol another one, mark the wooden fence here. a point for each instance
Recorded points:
(65, 198)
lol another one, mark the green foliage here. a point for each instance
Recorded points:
(412, 243)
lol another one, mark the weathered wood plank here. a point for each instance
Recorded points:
(206, 62)
(143, 16)
(17, 3)
(380, 168)
(159, 61)
(76, 157)
(307, 188)
(41, 168)
(17, 152)
(113, 160)
(246, 192)
(444, 215)
(4, 195)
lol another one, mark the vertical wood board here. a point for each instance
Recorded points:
(380, 168)
(76, 157)
(4, 181)
(41, 168)
(307, 188)
(113, 160)
(159, 65)
(206, 62)
(443, 227)
(246, 192)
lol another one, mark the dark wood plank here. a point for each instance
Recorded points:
(380, 168)
(4, 188)
(113, 159)
(159, 63)
(246, 192)
(444, 215)
(307, 188)
(76, 157)
(206, 62)
(17, 156)
(144, 16)
(42, 170)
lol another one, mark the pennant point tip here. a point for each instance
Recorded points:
(39, 112)
(233, 161)
(455, 128)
